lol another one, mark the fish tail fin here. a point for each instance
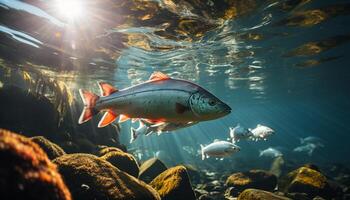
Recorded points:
(301, 140)
(89, 100)
(202, 152)
(133, 134)
(260, 153)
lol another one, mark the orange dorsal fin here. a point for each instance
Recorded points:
(107, 118)
(123, 118)
(156, 76)
(106, 89)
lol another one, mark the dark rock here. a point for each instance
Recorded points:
(86, 146)
(193, 173)
(299, 196)
(254, 194)
(123, 161)
(200, 192)
(257, 179)
(174, 183)
(26, 172)
(70, 147)
(150, 169)
(205, 197)
(19, 112)
(231, 192)
(91, 178)
(318, 198)
(346, 197)
(51, 149)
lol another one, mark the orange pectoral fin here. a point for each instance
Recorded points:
(107, 119)
(123, 118)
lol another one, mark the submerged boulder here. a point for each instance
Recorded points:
(102, 150)
(257, 179)
(51, 149)
(91, 178)
(307, 180)
(123, 161)
(26, 172)
(150, 169)
(173, 184)
(254, 194)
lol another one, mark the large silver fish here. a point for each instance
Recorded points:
(161, 99)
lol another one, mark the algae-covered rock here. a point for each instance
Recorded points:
(123, 161)
(91, 178)
(173, 184)
(150, 169)
(307, 180)
(105, 149)
(26, 172)
(255, 194)
(258, 179)
(51, 149)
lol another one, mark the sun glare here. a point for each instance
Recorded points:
(70, 9)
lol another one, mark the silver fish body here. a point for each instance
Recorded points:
(171, 100)
(219, 149)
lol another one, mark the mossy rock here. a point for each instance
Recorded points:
(255, 194)
(105, 149)
(123, 161)
(91, 178)
(51, 149)
(307, 180)
(173, 184)
(26, 172)
(257, 179)
(150, 169)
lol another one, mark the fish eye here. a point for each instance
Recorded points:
(212, 102)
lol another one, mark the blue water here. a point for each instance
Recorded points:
(251, 62)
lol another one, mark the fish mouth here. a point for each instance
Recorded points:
(226, 109)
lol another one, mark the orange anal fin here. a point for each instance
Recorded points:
(106, 89)
(123, 118)
(156, 76)
(107, 119)
(86, 115)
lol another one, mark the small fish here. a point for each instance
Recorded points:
(239, 132)
(146, 128)
(219, 149)
(160, 99)
(261, 132)
(312, 139)
(141, 130)
(308, 148)
(270, 152)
